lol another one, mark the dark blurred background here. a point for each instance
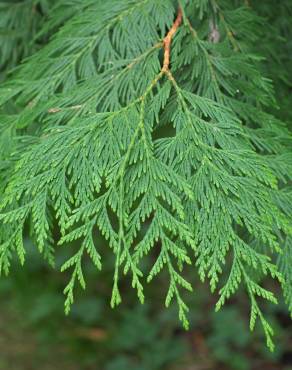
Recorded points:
(35, 333)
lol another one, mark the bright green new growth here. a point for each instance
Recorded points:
(109, 146)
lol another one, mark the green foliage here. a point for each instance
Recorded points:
(103, 146)
(19, 23)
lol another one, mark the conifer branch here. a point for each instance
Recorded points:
(168, 39)
(81, 150)
(229, 31)
(208, 58)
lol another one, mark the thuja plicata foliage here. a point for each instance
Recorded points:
(142, 130)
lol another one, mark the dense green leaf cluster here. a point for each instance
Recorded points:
(103, 146)
(19, 23)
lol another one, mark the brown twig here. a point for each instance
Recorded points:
(168, 39)
(166, 59)
(56, 109)
(214, 35)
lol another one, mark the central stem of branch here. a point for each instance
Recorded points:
(167, 41)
